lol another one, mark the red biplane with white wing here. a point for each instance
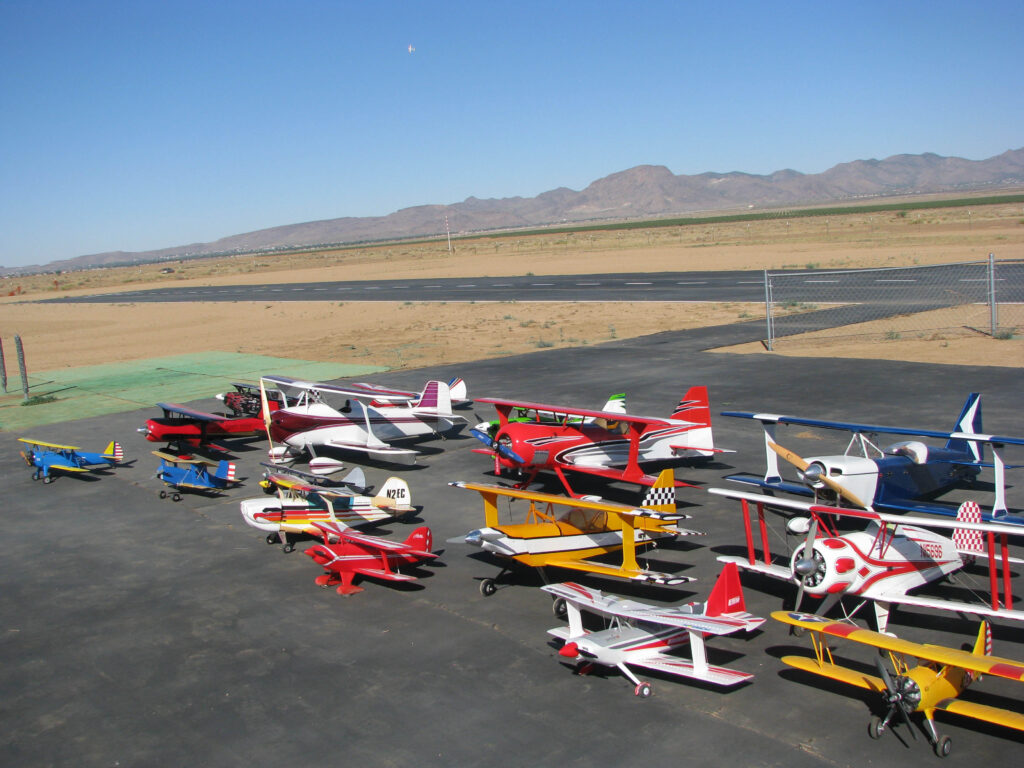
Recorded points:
(601, 443)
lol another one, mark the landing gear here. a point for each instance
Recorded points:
(943, 746)
(273, 538)
(163, 494)
(36, 475)
(876, 727)
(643, 690)
(47, 479)
(176, 497)
(558, 608)
(488, 587)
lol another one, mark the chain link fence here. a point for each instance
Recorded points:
(928, 302)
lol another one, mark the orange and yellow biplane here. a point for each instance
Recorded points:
(932, 684)
(566, 533)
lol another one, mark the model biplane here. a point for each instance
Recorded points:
(188, 474)
(561, 532)
(48, 458)
(298, 507)
(245, 400)
(486, 431)
(649, 636)
(881, 563)
(346, 554)
(905, 476)
(924, 679)
(183, 426)
(605, 444)
(306, 423)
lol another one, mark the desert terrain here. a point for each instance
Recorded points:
(413, 333)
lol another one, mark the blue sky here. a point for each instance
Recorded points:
(136, 125)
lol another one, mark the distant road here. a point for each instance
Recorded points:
(641, 286)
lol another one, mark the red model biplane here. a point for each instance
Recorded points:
(346, 554)
(602, 443)
(183, 426)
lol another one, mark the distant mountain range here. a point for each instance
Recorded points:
(646, 191)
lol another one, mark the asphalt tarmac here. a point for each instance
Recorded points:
(140, 632)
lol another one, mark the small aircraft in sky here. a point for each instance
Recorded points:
(298, 507)
(193, 475)
(346, 554)
(648, 636)
(601, 443)
(306, 423)
(905, 476)
(566, 533)
(933, 683)
(183, 426)
(882, 563)
(53, 457)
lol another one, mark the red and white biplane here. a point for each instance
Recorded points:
(602, 443)
(882, 563)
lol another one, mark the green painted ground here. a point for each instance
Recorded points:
(95, 390)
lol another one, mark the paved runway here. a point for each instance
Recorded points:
(145, 633)
(878, 287)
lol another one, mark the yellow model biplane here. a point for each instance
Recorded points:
(932, 684)
(564, 532)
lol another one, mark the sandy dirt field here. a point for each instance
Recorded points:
(415, 334)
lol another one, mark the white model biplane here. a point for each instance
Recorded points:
(306, 423)
(299, 507)
(883, 562)
(648, 636)
(906, 476)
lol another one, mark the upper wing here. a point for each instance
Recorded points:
(373, 542)
(596, 601)
(850, 426)
(493, 491)
(988, 665)
(189, 412)
(559, 410)
(41, 444)
(623, 572)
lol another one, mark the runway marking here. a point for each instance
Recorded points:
(750, 282)
(895, 280)
(628, 283)
(541, 284)
(821, 281)
(691, 282)
(467, 285)
(502, 285)
(587, 283)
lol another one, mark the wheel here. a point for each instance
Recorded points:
(163, 494)
(643, 690)
(36, 475)
(943, 746)
(558, 608)
(488, 587)
(273, 538)
(47, 479)
(875, 728)
(288, 547)
(176, 497)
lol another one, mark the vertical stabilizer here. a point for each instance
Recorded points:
(727, 596)
(421, 539)
(662, 495)
(435, 399)
(968, 422)
(968, 542)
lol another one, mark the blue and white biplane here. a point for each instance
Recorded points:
(905, 476)
(189, 474)
(52, 457)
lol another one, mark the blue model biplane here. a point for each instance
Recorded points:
(906, 476)
(188, 474)
(52, 457)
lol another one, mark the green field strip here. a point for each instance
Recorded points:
(118, 387)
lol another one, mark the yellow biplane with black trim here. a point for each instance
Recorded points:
(563, 532)
(932, 684)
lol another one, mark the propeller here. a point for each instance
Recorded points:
(806, 565)
(814, 474)
(500, 448)
(902, 695)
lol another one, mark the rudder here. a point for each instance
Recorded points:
(727, 595)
